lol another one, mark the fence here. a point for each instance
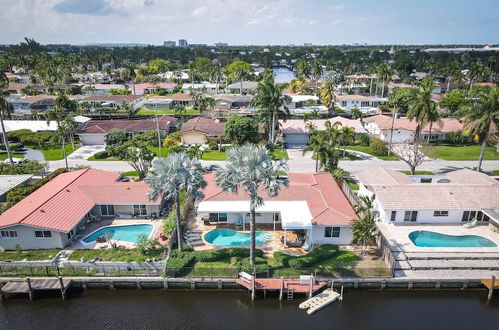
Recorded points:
(22, 269)
(274, 272)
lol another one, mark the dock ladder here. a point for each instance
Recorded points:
(290, 294)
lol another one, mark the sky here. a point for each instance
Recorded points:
(258, 22)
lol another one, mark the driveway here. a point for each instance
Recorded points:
(32, 154)
(83, 152)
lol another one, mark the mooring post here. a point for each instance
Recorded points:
(63, 290)
(410, 285)
(341, 293)
(281, 292)
(311, 286)
(383, 285)
(438, 285)
(193, 284)
(30, 289)
(491, 289)
(165, 284)
(139, 287)
(253, 288)
(220, 285)
(111, 285)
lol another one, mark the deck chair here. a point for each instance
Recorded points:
(470, 224)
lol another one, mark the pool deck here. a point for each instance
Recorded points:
(274, 244)
(398, 236)
(91, 227)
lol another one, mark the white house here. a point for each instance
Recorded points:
(296, 133)
(380, 126)
(368, 105)
(101, 89)
(451, 198)
(313, 206)
(204, 87)
(147, 88)
(248, 87)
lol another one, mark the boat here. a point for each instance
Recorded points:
(320, 301)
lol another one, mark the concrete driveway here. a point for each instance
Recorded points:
(83, 152)
(32, 154)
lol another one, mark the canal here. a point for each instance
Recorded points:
(158, 309)
(283, 75)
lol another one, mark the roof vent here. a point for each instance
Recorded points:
(127, 188)
(67, 190)
(42, 210)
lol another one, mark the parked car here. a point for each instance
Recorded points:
(16, 161)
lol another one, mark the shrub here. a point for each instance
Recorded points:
(379, 147)
(281, 258)
(176, 264)
(101, 155)
(261, 266)
(315, 256)
(364, 140)
(213, 145)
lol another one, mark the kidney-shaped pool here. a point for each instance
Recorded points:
(229, 237)
(425, 238)
(125, 233)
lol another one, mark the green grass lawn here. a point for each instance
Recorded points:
(92, 158)
(214, 155)
(30, 255)
(472, 152)
(417, 172)
(130, 173)
(3, 155)
(126, 255)
(280, 154)
(55, 153)
(369, 150)
(166, 112)
(495, 172)
(352, 184)
(155, 150)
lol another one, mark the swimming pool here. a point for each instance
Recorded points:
(125, 233)
(425, 238)
(229, 237)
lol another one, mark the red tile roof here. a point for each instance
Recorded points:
(60, 204)
(326, 201)
(129, 126)
(445, 125)
(113, 98)
(159, 85)
(180, 97)
(203, 125)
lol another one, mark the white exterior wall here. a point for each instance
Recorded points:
(317, 235)
(92, 139)
(424, 216)
(27, 240)
(296, 139)
(126, 209)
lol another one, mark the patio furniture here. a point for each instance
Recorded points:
(194, 231)
(470, 224)
(194, 243)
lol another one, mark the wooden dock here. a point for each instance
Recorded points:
(283, 285)
(490, 284)
(29, 286)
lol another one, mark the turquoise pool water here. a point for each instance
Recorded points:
(125, 233)
(229, 237)
(425, 238)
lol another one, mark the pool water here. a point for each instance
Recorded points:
(425, 238)
(229, 237)
(125, 233)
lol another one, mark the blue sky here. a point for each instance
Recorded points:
(251, 21)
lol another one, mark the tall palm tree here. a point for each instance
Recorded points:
(327, 94)
(130, 66)
(302, 68)
(272, 102)
(476, 71)
(59, 114)
(315, 144)
(422, 105)
(5, 111)
(215, 75)
(316, 71)
(384, 73)
(172, 175)
(363, 228)
(252, 171)
(347, 136)
(479, 117)
(433, 117)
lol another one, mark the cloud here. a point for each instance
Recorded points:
(85, 7)
(338, 21)
(148, 3)
(200, 11)
(336, 7)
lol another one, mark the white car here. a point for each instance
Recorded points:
(16, 161)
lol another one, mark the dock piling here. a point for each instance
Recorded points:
(63, 290)
(281, 291)
(30, 289)
(491, 289)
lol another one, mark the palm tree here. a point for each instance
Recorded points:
(316, 72)
(433, 117)
(315, 144)
(59, 115)
(130, 66)
(395, 110)
(355, 113)
(327, 94)
(479, 117)
(384, 73)
(347, 136)
(251, 170)
(272, 102)
(215, 75)
(302, 68)
(5, 111)
(422, 105)
(476, 71)
(172, 175)
(363, 228)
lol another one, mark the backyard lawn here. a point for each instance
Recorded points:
(3, 155)
(214, 155)
(280, 154)
(126, 255)
(472, 152)
(55, 153)
(369, 150)
(29, 255)
(166, 112)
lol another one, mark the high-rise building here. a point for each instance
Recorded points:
(221, 44)
(169, 43)
(183, 43)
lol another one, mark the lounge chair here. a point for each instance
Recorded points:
(471, 223)
(195, 243)
(194, 231)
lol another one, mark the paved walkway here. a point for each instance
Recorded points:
(84, 152)
(33, 154)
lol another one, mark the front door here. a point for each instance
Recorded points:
(277, 219)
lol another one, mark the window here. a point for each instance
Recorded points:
(43, 233)
(107, 210)
(70, 234)
(410, 216)
(332, 231)
(218, 217)
(469, 215)
(139, 210)
(393, 216)
(9, 234)
(425, 180)
(343, 103)
(364, 103)
(440, 213)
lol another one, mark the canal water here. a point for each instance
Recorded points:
(158, 309)
(283, 75)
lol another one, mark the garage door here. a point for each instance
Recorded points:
(193, 138)
(296, 140)
(92, 139)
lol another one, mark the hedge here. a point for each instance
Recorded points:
(315, 256)
(101, 155)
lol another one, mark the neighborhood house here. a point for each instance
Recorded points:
(201, 130)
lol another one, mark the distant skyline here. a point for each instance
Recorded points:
(258, 22)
